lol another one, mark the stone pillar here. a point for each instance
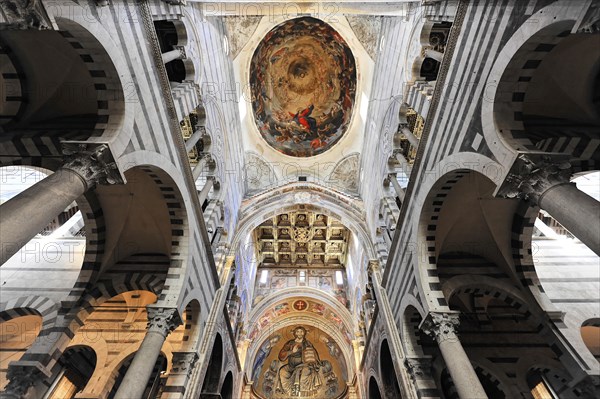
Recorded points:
(436, 55)
(404, 164)
(20, 380)
(195, 138)
(400, 192)
(161, 321)
(412, 139)
(544, 181)
(442, 326)
(199, 168)
(210, 180)
(25, 215)
(178, 53)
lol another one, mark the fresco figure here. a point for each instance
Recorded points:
(300, 376)
(262, 354)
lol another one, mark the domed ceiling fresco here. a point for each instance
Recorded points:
(303, 84)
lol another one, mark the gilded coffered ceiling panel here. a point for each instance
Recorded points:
(302, 240)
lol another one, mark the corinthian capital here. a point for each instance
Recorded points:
(163, 320)
(21, 378)
(442, 326)
(533, 174)
(25, 14)
(93, 162)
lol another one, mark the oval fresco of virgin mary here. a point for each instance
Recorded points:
(303, 84)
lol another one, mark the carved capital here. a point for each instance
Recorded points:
(25, 14)
(419, 368)
(182, 53)
(184, 362)
(163, 320)
(442, 326)
(533, 174)
(93, 162)
(373, 266)
(21, 378)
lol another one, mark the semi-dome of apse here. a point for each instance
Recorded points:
(303, 82)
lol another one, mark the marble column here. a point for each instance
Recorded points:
(404, 164)
(544, 181)
(400, 192)
(210, 180)
(21, 379)
(199, 168)
(25, 215)
(436, 55)
(412, 139)
(442, 326)
(177, 53)
(195, 138)
(161, 321)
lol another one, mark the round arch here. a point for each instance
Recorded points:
(227, 387)
(212, 377)
(315, 197)
(170, 185)
(559, 12)
(374, 391)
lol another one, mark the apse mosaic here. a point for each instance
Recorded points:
(303, 84)
(299, 362)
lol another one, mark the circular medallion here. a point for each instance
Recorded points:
(301, 234)
(303, 84)
(300, 305)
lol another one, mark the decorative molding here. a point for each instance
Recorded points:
(93, 162)
(345, 173)
(419, 368)
(184, 362)
(239, 31)
(367, 28)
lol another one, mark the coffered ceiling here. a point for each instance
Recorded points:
(301, 240)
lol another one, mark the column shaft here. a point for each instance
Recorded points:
(137, 376)
(399, 190)
(575, 210)
(205, 190)
(171, 55)
(195, 138)
(459, 366)
(412, 139)
(26, 214)
(404, 165)
(436, 55)
(197, 171)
